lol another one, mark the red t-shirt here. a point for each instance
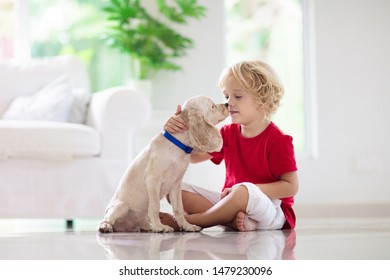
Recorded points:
(260, 160)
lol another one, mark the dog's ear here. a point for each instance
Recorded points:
(204, 136)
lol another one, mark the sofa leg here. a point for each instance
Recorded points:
(69, 224)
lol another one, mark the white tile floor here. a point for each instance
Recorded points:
(313, 239)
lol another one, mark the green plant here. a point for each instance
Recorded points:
(150, 41)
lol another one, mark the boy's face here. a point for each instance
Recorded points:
(243, 109)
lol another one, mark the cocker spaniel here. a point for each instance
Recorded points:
(159, 169)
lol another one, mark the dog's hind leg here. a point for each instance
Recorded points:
(144, 224)
(113, 213)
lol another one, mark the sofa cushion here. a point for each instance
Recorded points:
(47, 140)
(79, 108)
(52, 103)
(26, 77)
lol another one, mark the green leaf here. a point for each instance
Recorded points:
(154, 44)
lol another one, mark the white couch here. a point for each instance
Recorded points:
(62, 149)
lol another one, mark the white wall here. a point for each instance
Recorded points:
(352, 59)
(202, 65)
(201, 69)
(353, 92)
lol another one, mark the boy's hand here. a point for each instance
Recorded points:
(225, 193)
(175, 124)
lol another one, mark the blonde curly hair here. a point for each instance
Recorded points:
(259, 79)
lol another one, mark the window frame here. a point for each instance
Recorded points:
(310, 86)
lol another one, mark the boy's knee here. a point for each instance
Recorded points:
(240, 194)
(185, 196)
(240, 189)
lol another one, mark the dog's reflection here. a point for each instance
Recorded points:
(265, 245)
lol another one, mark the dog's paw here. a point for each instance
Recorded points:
(105, 228)
(186, 226)
(161, 228)
(190, 227)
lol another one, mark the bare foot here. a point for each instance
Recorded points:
(244, 223)
(169, 220)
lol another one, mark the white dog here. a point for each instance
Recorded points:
(159, 169)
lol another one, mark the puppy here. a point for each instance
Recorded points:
(159, 169)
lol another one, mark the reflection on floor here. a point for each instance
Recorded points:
(366, 238)
(203, 246)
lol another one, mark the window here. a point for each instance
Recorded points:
(50, 28)
(272, 31)
(6, 28)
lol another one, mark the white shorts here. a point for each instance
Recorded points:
(260, 208)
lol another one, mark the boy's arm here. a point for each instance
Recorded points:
(196, 158)
(286, 187)
(175, 124)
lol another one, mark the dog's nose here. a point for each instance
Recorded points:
(226, 105)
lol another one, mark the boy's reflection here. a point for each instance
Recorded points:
(255, 245)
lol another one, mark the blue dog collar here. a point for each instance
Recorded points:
(185, 148)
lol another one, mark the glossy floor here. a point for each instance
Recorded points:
(317, 239)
